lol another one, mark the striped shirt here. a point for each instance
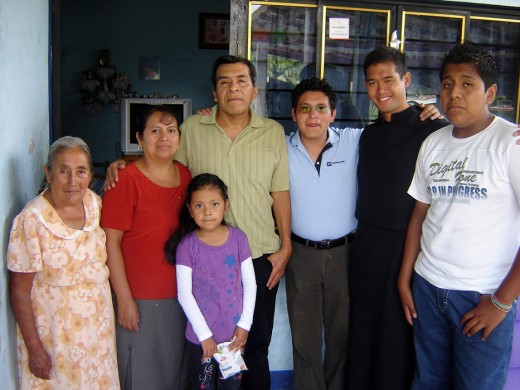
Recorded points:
(253, 165)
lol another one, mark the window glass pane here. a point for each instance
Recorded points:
(344, 57)
(283, 42)
(427, 38)
(502, 39)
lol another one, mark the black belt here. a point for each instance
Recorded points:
(324, 244)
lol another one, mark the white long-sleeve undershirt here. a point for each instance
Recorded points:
(192, 310)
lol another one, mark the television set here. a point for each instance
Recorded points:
(133, 108)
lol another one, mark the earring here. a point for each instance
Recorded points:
(139, 146)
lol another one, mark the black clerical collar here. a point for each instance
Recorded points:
(401, 116)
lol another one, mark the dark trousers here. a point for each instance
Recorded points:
(318, 308)
(257, 376)
(205, 373)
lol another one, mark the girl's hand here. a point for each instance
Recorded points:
(485, 316)
(239, 339)
(209, 347)
(128, 315)
(40, 364)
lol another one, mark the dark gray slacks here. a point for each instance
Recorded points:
(154, 357)
(318, 307)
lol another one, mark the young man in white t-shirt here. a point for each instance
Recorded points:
(463, 235)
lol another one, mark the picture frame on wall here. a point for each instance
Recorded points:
(213, 31)
(150, 68)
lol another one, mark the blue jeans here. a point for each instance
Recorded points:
(448, 359)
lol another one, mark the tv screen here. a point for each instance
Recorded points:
(133, 108)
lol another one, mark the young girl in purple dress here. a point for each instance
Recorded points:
(215, 279)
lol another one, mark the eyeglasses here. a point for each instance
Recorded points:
(305, 109)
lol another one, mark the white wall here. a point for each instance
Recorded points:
(24, 137)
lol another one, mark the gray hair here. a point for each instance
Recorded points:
(65, 143)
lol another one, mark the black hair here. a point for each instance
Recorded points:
(313, 84)
(229, 59)
(150, 109)
(386, 54)
(186, 222)
(470, 53)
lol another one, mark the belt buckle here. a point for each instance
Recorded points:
(325, 244)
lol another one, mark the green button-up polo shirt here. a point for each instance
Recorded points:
(253, 165)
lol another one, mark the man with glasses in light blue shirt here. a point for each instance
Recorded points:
(323, 168)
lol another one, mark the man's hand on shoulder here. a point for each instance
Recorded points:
(113, 174)
(429, 111)
(204, 111)
(517, 134)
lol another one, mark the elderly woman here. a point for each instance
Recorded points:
(138, 217)
(59, 280)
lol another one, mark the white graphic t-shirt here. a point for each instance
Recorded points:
(471, 233)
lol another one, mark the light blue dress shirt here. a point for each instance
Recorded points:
(323, 204)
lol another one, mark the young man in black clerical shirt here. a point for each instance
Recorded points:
(381, 343)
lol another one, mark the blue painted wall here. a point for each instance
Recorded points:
(131, 29)
(24, 131)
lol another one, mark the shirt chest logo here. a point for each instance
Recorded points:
(331, 163)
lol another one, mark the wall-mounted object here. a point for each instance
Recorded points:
(102, 85)
(150, 68)
(213, 31)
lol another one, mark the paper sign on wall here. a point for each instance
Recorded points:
(339, 28)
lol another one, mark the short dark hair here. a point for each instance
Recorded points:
(386, 54)
(229, 59)
(168, 116)
(313, 84)
(470, 53)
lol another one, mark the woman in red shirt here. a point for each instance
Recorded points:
(138, 216)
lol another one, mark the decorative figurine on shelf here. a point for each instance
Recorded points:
(104, 86)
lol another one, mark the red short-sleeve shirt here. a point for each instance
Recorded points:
(148, 214)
